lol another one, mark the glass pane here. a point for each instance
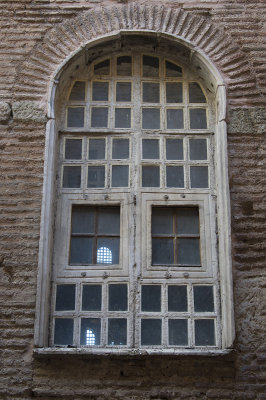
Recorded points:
(150, 92)
(174, 92)
(96, 177)
(203, 298)
(100, 91)
(117, 331)
(162, 251)
(150, 149)
(177, 298)
(118, 297)
(199, 177)
(108, 250)
(174, 176)
(75, 117)
(120, 176)
(63, 331)
(73, 149)
(150, 66)
(178, 332)
(81, 250)
(120, 149)
(78, 91)
(162, 220)
(109, 220)
(151, 298)
(172, 70)
(99, 117)
(174, 149)
(204, 332)
(96, 149)
(123, 117)
(102, 68)
(92, 298)
(72, 176)
(90, 334)
(82, 219)
(123, 91)
(198, 119)
(124, 66)
(196, 94)
(65, 297)
(188, 251)
(151, 118)
(150, 176)
(198, 149)
(151, 332)
(175, 119)
(187, 220)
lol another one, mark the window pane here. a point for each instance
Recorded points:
(162, 251)
(151, 118)
(150, 92)
(92, 298)
(63, 331)
(174, 149)
(124, 65)
(75, 117)
(78, 91)
(120, 176)
(90, 334)
(109, 220)
(82, 219)
(96, 177)
(100, 91)
(96, 149)
(150, 149)
(151, 332)
(123, 91)
(196, 94)
(204, 332)
(162, 220)
(172, 70)
(73, 149)
(117, 331)
(187, 220)
(199, 177)
(150, 176)
(102, 68)
(120, 149)
(150, 66)
(151, 298)
(123, 117)
(99, 117)
(198, 149)
(198, 118)
(174, 176)
(174, 92)
(108, 251)
(203, 298)
(81, 250)
(188, 251)
(65, 297)
(178, 332)
(72, 176)
(177, 298)
(175, 119)
(118, 297)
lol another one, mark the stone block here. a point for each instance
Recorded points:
(28, 111)
(247, 120)
(5, 111)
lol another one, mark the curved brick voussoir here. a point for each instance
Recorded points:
(63, 40)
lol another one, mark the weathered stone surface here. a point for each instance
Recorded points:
(247, 120)
(5, 111)
(27, 111)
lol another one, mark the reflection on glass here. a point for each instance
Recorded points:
(204, 332)
(151, 332)
(73, 149)
(78, 91)
(75, 117)
(104, 256)
(90, 332)
(71, 176)
(108, 251)
(63, 331)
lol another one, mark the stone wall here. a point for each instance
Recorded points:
(36, 38)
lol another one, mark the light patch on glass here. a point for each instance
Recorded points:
(104, 256)
(90, 338)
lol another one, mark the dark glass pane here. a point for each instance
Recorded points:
(199, 177)
(96, 177)
(65, 297)
(203, 298)
(204, 332)
(150, 66)
(99, 117)
(196, 94)
(198, 149)
(73, 149)
(109, 220)
(162, 220)
(108, 251)
(172, 70)
(151, 298)
(188, 251)
(151, 118)
(177, 298)
(178, 332)
(92, 298)
(117, 331)
(162, 251)
(102, 68)
(78, 91)
(90, 334)
(75, 117)
(174, 149)
(123, 91)
(63, 331)
(174, 176)
(82, 219)
(124, 65)
(120, 149)
(96, 149)
(120, 176)
(150, 92)
(150, 176)
(151, 332)
(198, 118)
(123, 117)
(118, 297)
(100, 91)
(81, 250)
(175, 119)
(174, 92)
(187, 220)
(150, 149)
(72, 176)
